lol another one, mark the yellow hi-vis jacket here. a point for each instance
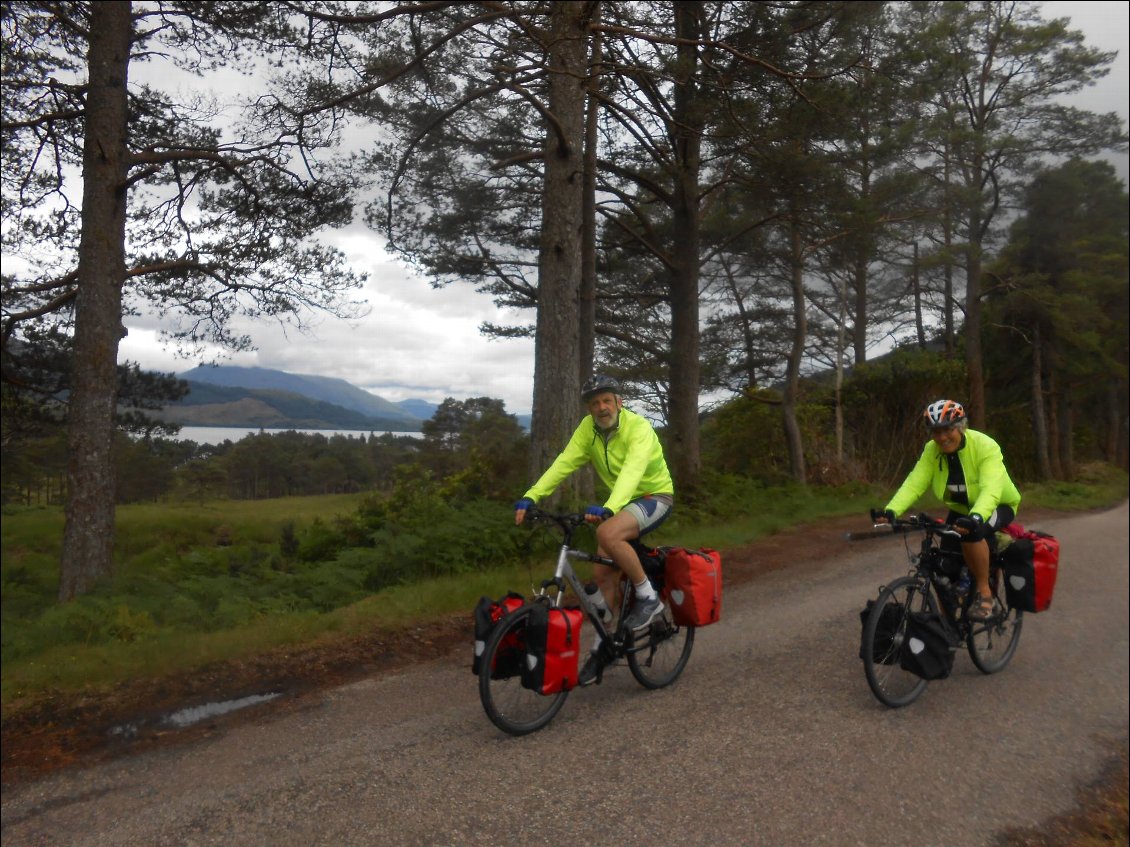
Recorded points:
(628, 459)
(987, 483)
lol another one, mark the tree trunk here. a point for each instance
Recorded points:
(1039, 423)
(916, 281)
(973, 359)
(1067, 436)
(863, 255)
(792, 372)
(1116, 427)
(683, 435)
(588, 239)
(1052, 408)
(859, 331)
(557, 384)
(947, 268)
(838, 396)
(88, 536)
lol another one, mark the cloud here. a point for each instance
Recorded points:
(416, 341)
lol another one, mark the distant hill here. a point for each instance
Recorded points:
(227, 395)
(219, 405)
(421, 409)
(337, 392)
(260, 397)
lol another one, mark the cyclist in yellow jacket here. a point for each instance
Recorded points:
(965, 469)
(625, 452)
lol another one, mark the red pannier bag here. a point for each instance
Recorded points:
(553, 648)
(488, 613)
(1031, 565)
(692, 585)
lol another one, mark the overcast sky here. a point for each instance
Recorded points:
(422, 342)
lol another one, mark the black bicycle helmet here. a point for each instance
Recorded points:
(942, 414)
(598, 384)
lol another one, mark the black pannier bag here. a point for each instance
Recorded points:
(926, 648)
(884, 647)
(512, 655)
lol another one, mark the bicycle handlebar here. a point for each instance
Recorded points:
(568, 521)
(921, 521)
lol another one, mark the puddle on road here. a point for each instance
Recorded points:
(194, 714)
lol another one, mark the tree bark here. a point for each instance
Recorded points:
(1115, 449)
(1052, 408)
(88, 536)
(1067, 436)
(916, 281)
(1039, 422)
(588, 242)
(557, 384)
(947, 269)
(792, 373)
(683, 436)
(974, 367)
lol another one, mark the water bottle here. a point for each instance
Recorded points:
(594, 596)
(962, 586)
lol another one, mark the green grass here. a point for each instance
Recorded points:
(203, 583)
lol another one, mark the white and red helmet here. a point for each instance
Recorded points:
(942, 414)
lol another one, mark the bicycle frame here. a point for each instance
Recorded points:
(564, 575)
(937, 585)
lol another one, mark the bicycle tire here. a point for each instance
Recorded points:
(666, 652)
(891, 685)
(993, 643)
(512, 707)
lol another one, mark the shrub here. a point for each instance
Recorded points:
(319, 542)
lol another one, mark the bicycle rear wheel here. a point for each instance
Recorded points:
(992, 643)
(512, 707)
(666, 648)
(890, 684)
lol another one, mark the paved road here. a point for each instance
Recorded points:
(771, 737)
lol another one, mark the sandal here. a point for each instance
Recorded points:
(980, 609)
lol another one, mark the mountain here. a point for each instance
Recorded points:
(337, 392)
(260, 397)
(421, 409)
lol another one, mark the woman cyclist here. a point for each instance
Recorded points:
(965, 469)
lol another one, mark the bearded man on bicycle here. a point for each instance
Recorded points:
(965, 469)
(627, 456)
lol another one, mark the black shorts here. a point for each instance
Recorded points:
(1001, 517)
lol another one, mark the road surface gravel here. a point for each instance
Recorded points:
(770, 737)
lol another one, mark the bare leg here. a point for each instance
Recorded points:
(612, 537)
(607, 580)
(977, 558)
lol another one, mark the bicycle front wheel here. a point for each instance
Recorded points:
(992, 643)
(662, 653)
(882, 644)
(512, 707)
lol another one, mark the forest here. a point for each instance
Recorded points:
(821, 215)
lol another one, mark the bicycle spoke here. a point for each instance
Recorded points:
(890, 684)
(511, 706)
(668, 648)
(992, 644)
